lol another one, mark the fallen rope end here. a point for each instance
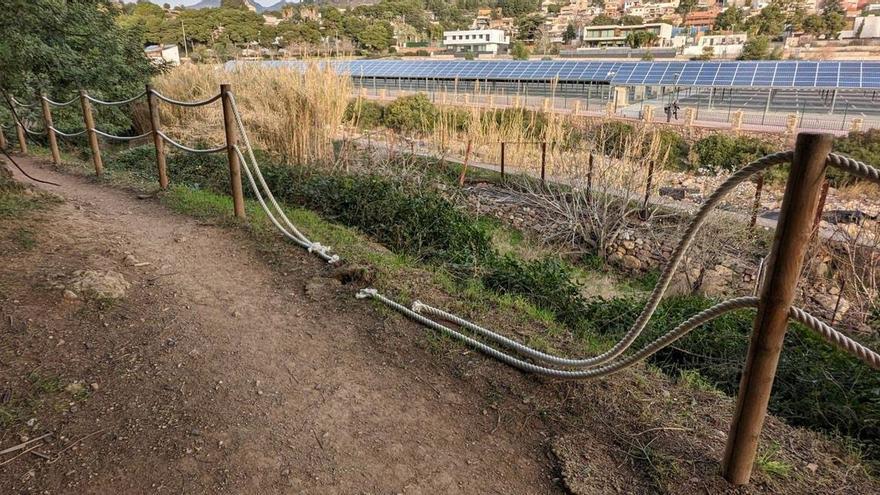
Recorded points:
(418, 306)
(366, 293)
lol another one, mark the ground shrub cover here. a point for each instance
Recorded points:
(817, 386)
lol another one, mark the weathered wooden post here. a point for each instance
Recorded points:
(22, 138)
(158, 142)
(590, 178)
(50, 133)
(783, 268)
(646, 212)
(502, 160)
(2, 139)
(89, 121)
(759, 185)
(543, 161)
(231, 155)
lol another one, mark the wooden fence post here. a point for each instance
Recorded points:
(502, 160)
(22, 138)
(543, 161)
(783, 269)
(646, 213)
(47, 122)
(590, 178)
(89, 121)
(232, 156)
(158, 142)
(2, 139)
(759, 185)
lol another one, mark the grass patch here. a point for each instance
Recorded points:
(767, 462)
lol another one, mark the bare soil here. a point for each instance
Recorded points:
(230, 367)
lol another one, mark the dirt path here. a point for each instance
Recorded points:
(218, 371)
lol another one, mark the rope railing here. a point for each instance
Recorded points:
(179, 103)
(68, 134)
(115, 103)
(21, 103)
(187, 148)
(121, 138)
(60, 104)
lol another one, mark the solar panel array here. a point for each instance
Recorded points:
(761, 74)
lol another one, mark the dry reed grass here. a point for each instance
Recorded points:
(287, 112)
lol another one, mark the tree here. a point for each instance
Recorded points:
(770, 21)
(834, 18)
(376, 36)
(528, 27)
(685, 7)
(814, 24)
(603, 20)
(758, 48)
(519, 51)
(413, 114)
(570, 34)
(60, 47)
(707, 54)
(729, 20)
(638, 39)
(517, 8)
(631, 20)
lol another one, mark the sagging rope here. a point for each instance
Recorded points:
(600, 365)
(68, 135)
(122, 138)
(115, 103)
(60, 104)
(187, 148)
(197, 103)
(250, 160)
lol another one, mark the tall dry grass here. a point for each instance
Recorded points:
(286, 112)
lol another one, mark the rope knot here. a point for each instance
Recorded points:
(418, 306)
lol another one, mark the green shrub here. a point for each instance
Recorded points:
(674, 147)
(722, 152)
(547, 283)
(364, 113)
(412, 114)
(533, 122)
(861, 145)
(456, 119)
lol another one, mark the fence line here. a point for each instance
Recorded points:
(811, 156)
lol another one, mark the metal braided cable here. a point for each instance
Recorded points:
(59, 104)
(66, 134)
(854, 167)
(115, 103)
(121, 138)
(312, 247)
(198, 103)
(244, 136)
(187, 148)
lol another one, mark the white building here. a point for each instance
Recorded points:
(163, 54)
(476, 40)
(723, 45)
(615, 35)
(863, 28)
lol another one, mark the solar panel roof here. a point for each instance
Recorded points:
(764, 74)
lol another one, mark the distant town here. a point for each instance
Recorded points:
(219, 30)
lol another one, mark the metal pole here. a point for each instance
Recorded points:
(783, 270)
(89, 121)
(231, 155)
(161, 168)
(47, 122)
